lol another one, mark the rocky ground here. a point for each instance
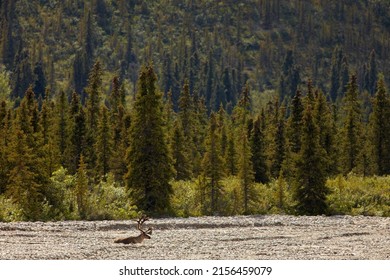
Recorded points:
(243, 237)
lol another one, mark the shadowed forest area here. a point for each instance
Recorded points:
(191, 108)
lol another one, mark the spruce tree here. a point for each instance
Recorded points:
(22, 185)
(186, 112)
(199, 134)
(118, 164)
(212, 165)
(5, 138)
(322, 114)
(294, 123)
(223, 128)
(351, 132)
(103, 145)
(246, 173)
(81, 189)
(231, 154)
(245, 165)
(77, 134)
(180, 157)
(149, 163)
(309, 185)
(279, 144)
(62, 125)
(186, 116)
(94, 92)
(380, 129)
(51, 157)
(257, 144)
(118, 127)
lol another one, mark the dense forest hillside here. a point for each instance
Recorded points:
(192, 108)
(217, 45)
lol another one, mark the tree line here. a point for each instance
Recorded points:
(142, 145)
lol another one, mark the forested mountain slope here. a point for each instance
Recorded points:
(217, 45)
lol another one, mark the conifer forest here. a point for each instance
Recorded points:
(193, 107)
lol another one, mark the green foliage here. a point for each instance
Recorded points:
(103, 145)
(106, 199)
(185, 201)
(81, 189)
(180, 154)
(272, 198)
(149, 162)
(109, 201)
(356, 195)
(379, 130)
(62, 196)
(44, 135)
(309, 183)
(351, 131)
(5, 88)
(212, 164)
(10, 211)
(257, 143)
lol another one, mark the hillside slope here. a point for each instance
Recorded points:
(217, 45)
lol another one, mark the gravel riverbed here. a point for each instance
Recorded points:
(242, 237)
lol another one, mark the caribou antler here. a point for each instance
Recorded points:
(138, 239)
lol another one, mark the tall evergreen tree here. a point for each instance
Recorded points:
(119, 135)
(309, 185)
(94, 92)
(245, 164)
(277, 139)
(23, 185)
(77, 134)
(322, 114)
(380, 129)
(245, 170)
(212, 164)
(294, 123)
(81, 189)
(186, 112)
(351, 132)
(149, 163)
(5, 125)
(231, 154)
(180, 156)
(62, 125)
(257, 143)
(103, 145)
(50, 154)
(118, 164)
(199, 134)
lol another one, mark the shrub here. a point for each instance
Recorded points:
(108, 200)
(186, 200)
(356, 195)
(9, 211)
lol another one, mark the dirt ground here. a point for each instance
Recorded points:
(242, 237)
